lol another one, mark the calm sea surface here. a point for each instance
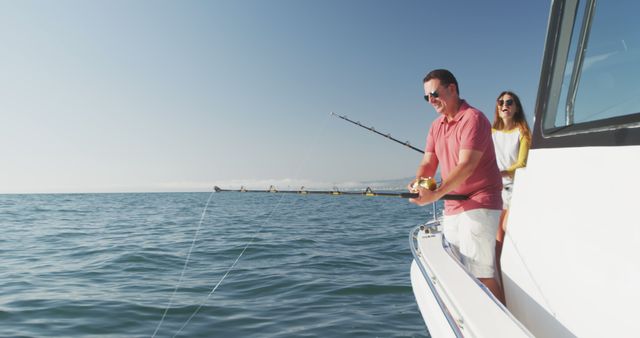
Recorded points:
(131, 265)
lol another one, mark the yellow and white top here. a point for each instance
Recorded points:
(512, 149)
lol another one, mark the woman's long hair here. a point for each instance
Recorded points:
(518, 117)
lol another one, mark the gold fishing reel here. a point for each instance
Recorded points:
(427, 183)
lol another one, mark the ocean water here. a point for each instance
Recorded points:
(247, 265)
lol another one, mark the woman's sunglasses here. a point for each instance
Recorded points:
(508, 102)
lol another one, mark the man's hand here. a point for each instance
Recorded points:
(412, 185)
(425, 197)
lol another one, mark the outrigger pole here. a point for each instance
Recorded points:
(405, 143)
(335, 191)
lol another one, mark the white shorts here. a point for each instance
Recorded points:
(506, 196)
(472, 235)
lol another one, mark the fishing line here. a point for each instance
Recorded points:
(184, 268)
(266, 220)
(526, 267)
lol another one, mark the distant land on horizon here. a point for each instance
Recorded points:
(396, 184)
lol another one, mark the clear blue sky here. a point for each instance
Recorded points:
(119, 96)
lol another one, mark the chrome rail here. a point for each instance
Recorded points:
(448, 250)
(413, 236)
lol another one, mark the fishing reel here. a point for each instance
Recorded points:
(427, 183)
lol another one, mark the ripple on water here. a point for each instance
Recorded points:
(111, 264)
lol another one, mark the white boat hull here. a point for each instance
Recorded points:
(431, 312)
(452, 302)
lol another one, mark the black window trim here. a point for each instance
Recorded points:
(615, 131)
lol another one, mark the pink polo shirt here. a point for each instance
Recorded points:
(470, 130)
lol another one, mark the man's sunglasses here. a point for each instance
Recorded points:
(433, 94)
(508, 102)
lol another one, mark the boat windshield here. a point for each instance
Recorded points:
(603, 64)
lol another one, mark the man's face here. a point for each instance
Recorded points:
(439, 96)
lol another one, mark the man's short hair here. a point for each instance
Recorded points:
(445, 77)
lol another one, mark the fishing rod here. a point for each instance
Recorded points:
(335, 191)
(431, 185)
(405, 143)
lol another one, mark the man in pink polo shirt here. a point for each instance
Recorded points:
(460, 142)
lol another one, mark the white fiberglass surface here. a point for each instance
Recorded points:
(431, 312)
(469, 304)
(571, 262)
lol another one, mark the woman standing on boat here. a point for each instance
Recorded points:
(511, 139)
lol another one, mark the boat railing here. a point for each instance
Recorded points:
(449, 308)
(428, 227)
(449, 250)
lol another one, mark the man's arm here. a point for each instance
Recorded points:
(426, 168)
(428, 165)
(467, 163)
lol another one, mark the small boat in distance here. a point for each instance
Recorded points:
(571, 260)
